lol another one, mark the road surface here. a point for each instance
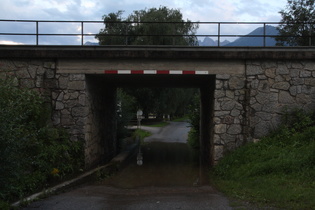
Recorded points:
(168, 179)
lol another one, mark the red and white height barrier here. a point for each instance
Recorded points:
(178, 72)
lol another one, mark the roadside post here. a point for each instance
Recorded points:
(139, 118)
(139, 155)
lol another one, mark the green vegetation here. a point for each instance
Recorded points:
(174, 30)
(297, 20)
(277, 171)
(32, 154)
(141, 134)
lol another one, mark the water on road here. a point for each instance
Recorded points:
(167, 161)
(170, 178)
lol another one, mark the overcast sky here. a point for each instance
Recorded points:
(194, 10)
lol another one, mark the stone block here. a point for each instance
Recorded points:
(32, 71)
(59, 105)
(220, 128)
(234, 129)
(285, 98)
(228, 105)
(217, 139)
(297, 65)
(282, 69)
(303, 98)
(281, 85)
(262, 98)
(254, 70)
(79, 111)
(269, 64)
(305, 74)
(310, 66)
(50, 73)
(63, 82)
(218, 84)
(295, 73)
(263, 86)
(76, 85)
(228, 120)
(271, 73)
(310, 81)
(306, 89)
(82, 99)
(297, 81)
(223, 76)
(236, 83)
(221, 113)
(77, 77)
(219, 93)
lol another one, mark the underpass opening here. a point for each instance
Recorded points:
(102, 90)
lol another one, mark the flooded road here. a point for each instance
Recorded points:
(170, 178)
(167, 161)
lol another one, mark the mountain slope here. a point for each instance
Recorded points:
(257, 41)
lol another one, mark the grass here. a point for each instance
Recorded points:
(278, 171)
(141, 134)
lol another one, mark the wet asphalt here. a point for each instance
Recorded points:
(170, 178)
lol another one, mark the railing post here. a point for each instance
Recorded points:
(36, 32)
(264, 35)
(82, 32)
(219, 32)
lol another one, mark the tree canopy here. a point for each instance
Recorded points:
(297, 27)
(154, 26)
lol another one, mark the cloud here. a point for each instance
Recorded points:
(4, 42)
(194, 10)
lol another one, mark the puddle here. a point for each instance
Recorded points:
(164, 165)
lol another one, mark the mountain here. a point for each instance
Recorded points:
(240, 42)
(91, 43)
(257, 41)
(207, 41)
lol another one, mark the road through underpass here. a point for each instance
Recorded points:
(170, 178)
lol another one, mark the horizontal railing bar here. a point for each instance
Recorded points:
(178, 22)
(218, 35)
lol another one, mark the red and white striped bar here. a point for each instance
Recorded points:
(178, 72)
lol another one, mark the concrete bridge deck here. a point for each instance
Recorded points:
(157, 52)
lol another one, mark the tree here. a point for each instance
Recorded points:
(153, 26)
(297, 27)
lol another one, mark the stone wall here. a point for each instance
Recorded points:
(275, 86)
(249, 106)
(230, 121)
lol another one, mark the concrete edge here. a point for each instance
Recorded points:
(120, 158)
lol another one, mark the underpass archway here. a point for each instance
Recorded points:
(102, 92)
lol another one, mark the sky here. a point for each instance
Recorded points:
(93, 10)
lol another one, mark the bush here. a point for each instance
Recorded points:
(279, 170)
(31, 153)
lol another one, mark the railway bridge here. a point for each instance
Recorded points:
(244, 90)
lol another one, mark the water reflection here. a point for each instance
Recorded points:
(164, 164)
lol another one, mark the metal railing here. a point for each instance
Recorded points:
(47, 32)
